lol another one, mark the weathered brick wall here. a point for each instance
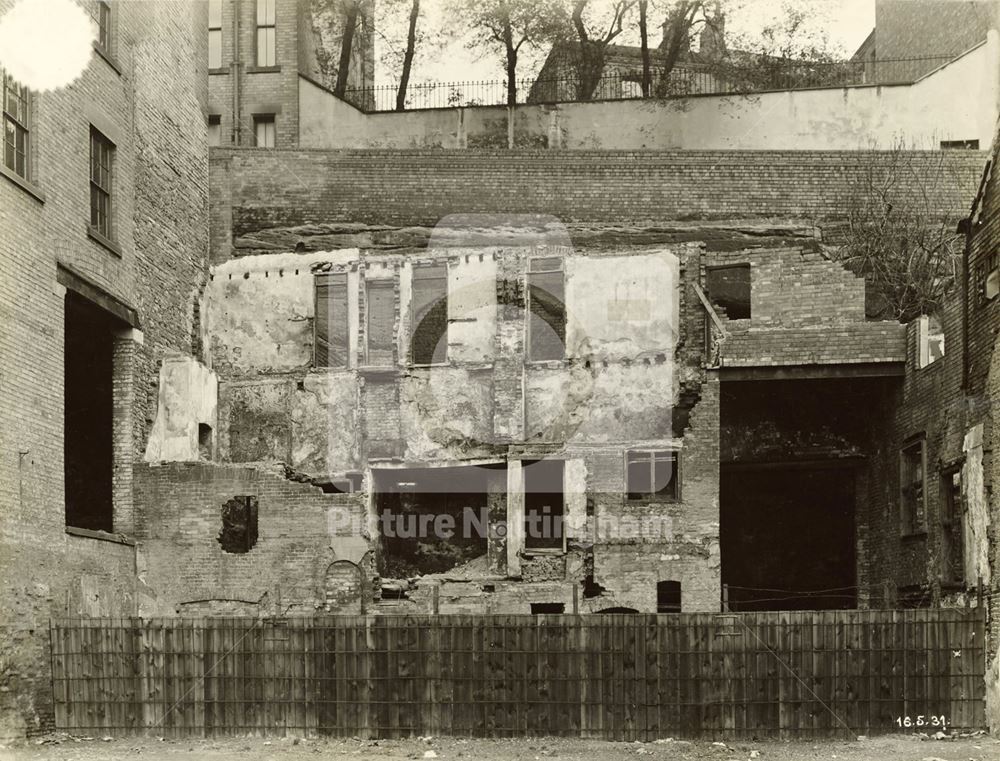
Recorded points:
(256, 190)
(300, 530)
(914, 29)
(152, 106)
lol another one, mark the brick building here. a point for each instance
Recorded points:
(98, 273)
(257, 51)
(324, 389)
(642, 375)
(910, 36)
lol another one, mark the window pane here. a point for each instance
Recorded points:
(665, 476)
(638, 485)
(214, 14)
(265, 46)
(265, 12)
(215, 49)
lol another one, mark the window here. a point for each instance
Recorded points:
(214, 129)
(930, 340)
(239, 525)
(912, 468)
(101, 13)
(379, 322)
(331, 328)
(987, 283)
(546, 310)
(543, 504)
(204, 441)
(16, 107)
(215, 34)
(541, 608)
(668, 597)
(263, 130)
(429, 315)
(952, 528)
(651, 475)
(101, 162)
(729, 289)
(265, 32)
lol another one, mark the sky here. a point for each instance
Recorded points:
(847, 22)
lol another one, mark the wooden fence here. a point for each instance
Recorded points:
(618, 677)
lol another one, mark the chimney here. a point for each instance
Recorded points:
(685, 46)
(713, 33)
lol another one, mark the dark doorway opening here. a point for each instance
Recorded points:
(88, 397)
(787, 536)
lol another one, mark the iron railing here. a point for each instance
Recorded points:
(626, 84)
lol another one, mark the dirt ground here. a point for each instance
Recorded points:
(890, 748)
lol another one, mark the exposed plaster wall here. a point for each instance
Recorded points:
(188, 395)
(977, 521)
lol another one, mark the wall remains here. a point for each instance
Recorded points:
(957, 101)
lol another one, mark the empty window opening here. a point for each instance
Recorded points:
(651, 474)
(331, 328)
(912, 497)
(380, 319)
(394, 593)
(204, 441)
(429, 315)
(540, 608)
(89, 411)
(546, 309)
(433, 520)
(239, 525)
(214, 130)
(930, 340)
(952, 528)
(729, 290)
(263, 130)
(668, 597)
(543, 504)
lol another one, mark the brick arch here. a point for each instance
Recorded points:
(343, 585)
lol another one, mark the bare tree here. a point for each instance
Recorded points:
(351, 10)
(411, 44)
(896, 237)
(508, 26)
(594, 32)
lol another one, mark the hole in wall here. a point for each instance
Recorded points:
(204, 441)
(547, 607)
(239, 525)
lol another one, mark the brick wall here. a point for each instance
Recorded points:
(286, 571)
(920, 28)
(149, 100)
(257, 190)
